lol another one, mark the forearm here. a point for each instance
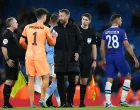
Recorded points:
(130, 50)
(102, 52)
(94, 52)
(102, 49)
(51, 40)
(22, 42)
(5, 53)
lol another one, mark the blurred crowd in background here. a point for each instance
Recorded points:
(101, 10)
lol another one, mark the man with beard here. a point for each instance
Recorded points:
(66, 54)
(88, 55)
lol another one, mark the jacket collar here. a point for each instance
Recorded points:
(70, 22)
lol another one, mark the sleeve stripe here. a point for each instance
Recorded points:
(4, 46)
(24, 37)
(26, 41)
(125, 39)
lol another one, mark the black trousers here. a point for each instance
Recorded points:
(12, 72)
(62, 87)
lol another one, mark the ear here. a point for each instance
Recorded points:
(43, 16)
(67, 17)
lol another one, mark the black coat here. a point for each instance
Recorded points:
(69, 42)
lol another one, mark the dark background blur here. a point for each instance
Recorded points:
(101, 10)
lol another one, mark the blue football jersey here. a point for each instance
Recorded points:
(114, 37)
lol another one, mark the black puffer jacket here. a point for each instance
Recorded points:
(69, 42)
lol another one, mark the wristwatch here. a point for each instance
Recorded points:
(7, 59)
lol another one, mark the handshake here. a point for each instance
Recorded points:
(54, 33)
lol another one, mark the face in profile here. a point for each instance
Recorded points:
(85, 21)
(14, 24)
(119, 21)
(63, 17)
(44, 17)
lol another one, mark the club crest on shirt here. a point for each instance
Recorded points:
(5, 41)
(89, 40)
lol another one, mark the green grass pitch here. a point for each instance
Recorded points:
(87, 108)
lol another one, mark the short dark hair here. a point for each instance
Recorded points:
(87, 15)
(40, 12)
(66, 11)
(8, 21)
(54, 17)
(114, 17)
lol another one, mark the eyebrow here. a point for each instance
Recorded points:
(85, 18)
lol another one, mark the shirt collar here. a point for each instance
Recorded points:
(114, 26)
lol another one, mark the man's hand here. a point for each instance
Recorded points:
(76, 55)
(10, 63)
(54, 33)
(93, 64)
(136, 63)
(103, 64)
